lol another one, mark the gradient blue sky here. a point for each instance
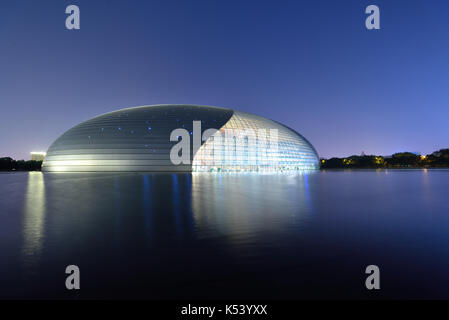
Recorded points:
(311, 65)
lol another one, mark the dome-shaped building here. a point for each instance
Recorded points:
(180, 138)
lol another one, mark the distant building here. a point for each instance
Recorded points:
(37, 156)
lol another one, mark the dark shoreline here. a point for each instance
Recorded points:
(403, 160)
(10, 165)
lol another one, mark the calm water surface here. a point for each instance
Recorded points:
(165, 236)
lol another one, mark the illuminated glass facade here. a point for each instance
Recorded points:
(138, 139)
(248, 142)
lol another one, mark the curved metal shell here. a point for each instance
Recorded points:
(138, 139)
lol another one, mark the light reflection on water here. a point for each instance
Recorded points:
(34, 221)
(231, 205)
(149, 235)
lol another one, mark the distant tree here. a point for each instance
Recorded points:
(438, 159)
(404, 159)
(333, 163)
(8, 164)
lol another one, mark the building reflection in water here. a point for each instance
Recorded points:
(146, 202)
(165, 206)
(34, 219)
(242, 207)
(176, 204)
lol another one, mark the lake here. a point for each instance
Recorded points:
(225, 236)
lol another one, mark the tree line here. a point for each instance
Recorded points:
(9, 164)
(437, 159)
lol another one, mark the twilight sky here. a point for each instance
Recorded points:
(311, 65)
